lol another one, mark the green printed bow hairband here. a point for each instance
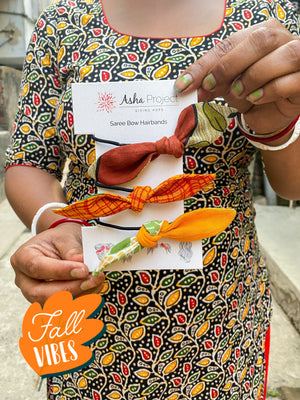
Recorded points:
(188, 227)
(198, 125)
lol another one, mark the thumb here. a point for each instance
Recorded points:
(69, 242)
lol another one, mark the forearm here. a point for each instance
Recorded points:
(28, 189)
(283, 169)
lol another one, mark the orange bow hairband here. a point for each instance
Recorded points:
(176, 188)
(188, 227)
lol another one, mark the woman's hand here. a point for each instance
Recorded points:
(256, 70)
(53, 261)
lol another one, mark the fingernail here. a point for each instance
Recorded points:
(183, 82)
(238, 87)
(209, 82)
(256, 95)
(90, 284)
(79, 273)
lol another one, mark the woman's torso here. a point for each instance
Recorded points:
(220, 314)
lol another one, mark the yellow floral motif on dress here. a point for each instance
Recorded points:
(280, 12)
(122, 41)
(84, 71)
(162, 72)
(85, 19)
(165, 44)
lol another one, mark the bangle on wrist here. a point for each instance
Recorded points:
(259, 141)
(40, 212)
(252, 136)
(63, 220)
(291, 140)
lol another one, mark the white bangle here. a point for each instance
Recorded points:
(40, 212)
(291, 140)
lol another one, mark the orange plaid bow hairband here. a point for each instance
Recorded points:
(176, 188)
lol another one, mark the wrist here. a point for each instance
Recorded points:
(62, 221)
(281, 140)
(277, 140)
(45, 217)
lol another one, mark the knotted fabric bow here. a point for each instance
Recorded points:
(124, 163)
(188, 227)
(198, 125)
(177, 188)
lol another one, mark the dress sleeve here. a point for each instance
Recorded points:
(34, 140)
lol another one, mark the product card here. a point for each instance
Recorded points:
(133, 112)
(167, 254)
(128, 112)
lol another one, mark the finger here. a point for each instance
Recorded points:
(225, 62)
(285, 87)
(92, 282)
(31, 262)
(40, 291)
(267, 69)
(256, 46)
(53, 254)
(69, 246)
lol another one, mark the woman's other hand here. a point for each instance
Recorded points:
(53, 261)
(256, 70)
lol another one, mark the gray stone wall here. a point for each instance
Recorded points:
(9, 92)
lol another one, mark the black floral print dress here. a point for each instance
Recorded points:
(208, 335)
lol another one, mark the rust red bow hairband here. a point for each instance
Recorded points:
(198, 125)
(122, 164)
(176, 188)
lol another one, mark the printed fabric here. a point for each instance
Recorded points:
(170, 334)
(179, 187)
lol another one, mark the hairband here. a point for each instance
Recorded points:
(178, 187)
(188, 227)
(198, 125)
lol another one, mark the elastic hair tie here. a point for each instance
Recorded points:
(178, 187)
(119, 227)
(113, 187)
(194, 225)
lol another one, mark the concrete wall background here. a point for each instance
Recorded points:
(9, 92)
(17, 18)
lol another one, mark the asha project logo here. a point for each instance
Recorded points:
(106, 102)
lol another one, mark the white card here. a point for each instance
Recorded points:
(168, 254)
(128, 112)
(133, 112)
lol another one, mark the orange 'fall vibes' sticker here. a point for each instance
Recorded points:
(56, 336)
